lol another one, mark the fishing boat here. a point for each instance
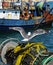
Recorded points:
(16, 18)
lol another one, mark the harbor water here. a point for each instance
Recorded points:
(47, 38)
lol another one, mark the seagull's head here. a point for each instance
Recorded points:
(29, 33)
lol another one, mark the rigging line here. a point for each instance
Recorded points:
(44, 18)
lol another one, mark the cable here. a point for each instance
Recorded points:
(1, 45)
(44, 18)
(48, 59)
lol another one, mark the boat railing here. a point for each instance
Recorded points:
(11, 5)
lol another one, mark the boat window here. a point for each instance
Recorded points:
(3, 11)
(16, 12)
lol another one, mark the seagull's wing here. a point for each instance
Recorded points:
(21, 30)
(35, 33)
(38, 32)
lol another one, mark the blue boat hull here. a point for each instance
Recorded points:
(6, 23)
(26, 24)
(31, 27)
(14, 22)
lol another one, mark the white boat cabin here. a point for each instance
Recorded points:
(9, 14)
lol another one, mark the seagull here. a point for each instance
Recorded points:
(28, 36)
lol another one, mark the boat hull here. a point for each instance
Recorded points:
(29, 26)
